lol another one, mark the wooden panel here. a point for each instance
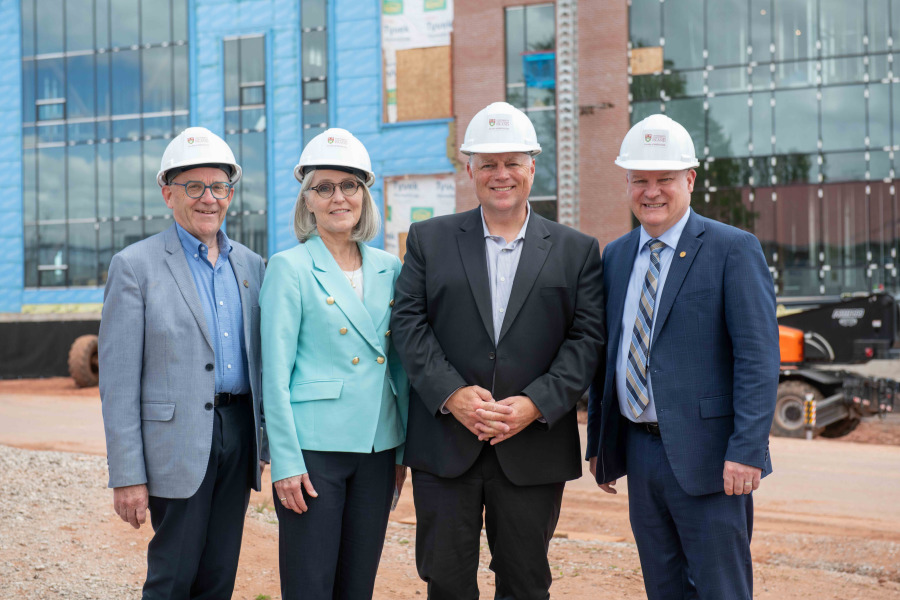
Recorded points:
(424, 84)
(646, 60)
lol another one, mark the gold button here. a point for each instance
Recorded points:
(387, 333)
(246, 283)
(329, 300)
(355, 360)
(380, 360)
(343, 331)
(391, 303)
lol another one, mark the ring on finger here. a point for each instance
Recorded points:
(748, 483)
(283, 499)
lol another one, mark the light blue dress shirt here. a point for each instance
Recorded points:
(221, 300)
(502, 263)
(629, 313)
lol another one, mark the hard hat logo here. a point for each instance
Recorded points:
(331, 140)
(655, 138)
(190, 140)
(647, 138)
(491, 122)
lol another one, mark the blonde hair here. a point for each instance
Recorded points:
(305, 221)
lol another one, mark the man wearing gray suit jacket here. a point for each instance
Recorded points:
(180, 377)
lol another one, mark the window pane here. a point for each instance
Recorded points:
(252, 95)
(728, 80)
(545, 164)
(51, 167)
(80, 79)
(31, 256)
(879, 115)
(126, 184)
(645, 23)
(314, 59)
(154, 204)
(540, 28)
(515, 44)
(105, 248)
(126, 233)
(157, 80)
(104, 180)
(51, 82)
(314, 90)
(315, 113)
(52, 251)
(844, 166)
(843, 70)
(253, 162)
(82, 246)
(81, 186)
(313, 13)
(49, 26)
(795, 29)
(761, 29)
(232, 76)
(28, 27)
(729, 126)
(155, 19)
(727, 45)
(683, 23)
(104, 98)
(843, 117)
(795, 74)
(124, 17)
(879, 25)
(310, 132)
(253, 61)
(761, 116)
(79, 28)
(796, 125)
(101, 19)
(841, 27)
(879, 164)
(29, 184)
(545, 208)
(690, 114)
(642, 110)
(28, 82)
(126, 87)
(180, 77)
(180, 20)
(255, 119)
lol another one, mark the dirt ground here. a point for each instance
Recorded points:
(827, 521)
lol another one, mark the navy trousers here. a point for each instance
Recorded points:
(332, 551)
(691, 547)
(519, 522)
(197, 541)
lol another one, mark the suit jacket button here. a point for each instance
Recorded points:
(355, 360)
(209, 366)
(329, 300)
(491, 356)
(387, 333)
(208, 406)
(343, 330)
(380, 360)
(391, 303)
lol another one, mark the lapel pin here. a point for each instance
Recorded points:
(246, 284)
(682, 255)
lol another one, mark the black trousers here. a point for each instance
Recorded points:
(197, 541)
(519, 522)
(332, 550)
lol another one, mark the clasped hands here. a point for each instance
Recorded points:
(488, 419)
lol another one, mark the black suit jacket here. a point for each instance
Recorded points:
(549, 346)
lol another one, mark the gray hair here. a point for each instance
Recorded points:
(305, 221)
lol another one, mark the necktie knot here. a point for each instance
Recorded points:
(656, 246)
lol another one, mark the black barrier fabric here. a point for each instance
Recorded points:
(39, 348)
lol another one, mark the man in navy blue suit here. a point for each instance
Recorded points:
(687, 396)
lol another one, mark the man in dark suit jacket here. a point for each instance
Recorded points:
(690, 377)
(499, 323)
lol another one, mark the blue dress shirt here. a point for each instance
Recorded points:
(220, 297)
(629, 313)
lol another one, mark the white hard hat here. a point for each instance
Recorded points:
(336, 148)
(657, 144)
(500, 127)
(198, 147)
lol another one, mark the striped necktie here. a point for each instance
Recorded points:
(639, 352)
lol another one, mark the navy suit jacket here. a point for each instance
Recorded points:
(715, 357)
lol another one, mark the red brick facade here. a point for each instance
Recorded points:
(479, 79)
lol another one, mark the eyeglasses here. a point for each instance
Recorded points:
(196, 189)
(326, 189)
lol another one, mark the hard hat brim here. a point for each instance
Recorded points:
(657, 165)
(499, 148)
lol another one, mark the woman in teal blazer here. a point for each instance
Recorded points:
(335, 394)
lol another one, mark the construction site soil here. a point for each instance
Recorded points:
(827, 521)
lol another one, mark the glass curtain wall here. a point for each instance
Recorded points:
(794, 107)
(531, 87)
(245, 132)
(104, 86)
(314, 71)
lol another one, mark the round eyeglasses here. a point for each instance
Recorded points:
(196, 189)
(326, 189)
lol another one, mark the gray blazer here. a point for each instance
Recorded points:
(156, 356)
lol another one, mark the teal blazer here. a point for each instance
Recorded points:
(332, 380)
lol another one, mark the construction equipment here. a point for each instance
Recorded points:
(813, 341)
